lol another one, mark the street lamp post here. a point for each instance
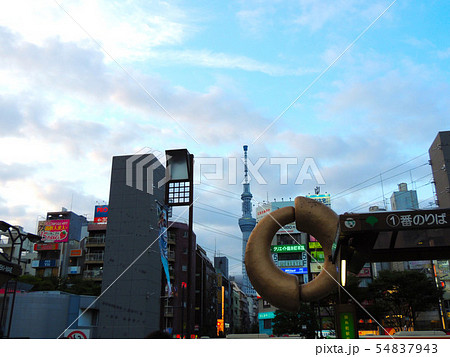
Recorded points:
(180, 192)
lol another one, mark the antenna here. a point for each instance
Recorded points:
(245, 164)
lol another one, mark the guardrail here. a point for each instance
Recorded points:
(94, 257)
(92, 274)
(96, 240)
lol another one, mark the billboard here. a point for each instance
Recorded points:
(262, 210)
(365, 272)
(302, 270)
(325, 198)
(267, 208)
(39, 247)
(76, 252)
(266, 315)
(314, 245)
(316, 267)
(162, 231)
(288, 248)
(56, 231)
(101, 214)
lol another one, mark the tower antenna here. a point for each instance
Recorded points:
(245, 164)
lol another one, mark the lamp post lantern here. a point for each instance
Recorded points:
(180, 192)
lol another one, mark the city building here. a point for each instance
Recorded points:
(236, 322)
(61, 232)
(224, 296)
(404, 199)
(174, 312)
(439, 153)
(53, 314)
(440, 164)
(246, 224)
(131, 285)
(266, 314)
(221, 265)
(94, 252)
(206, 296)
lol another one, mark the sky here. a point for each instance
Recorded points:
(347, 95)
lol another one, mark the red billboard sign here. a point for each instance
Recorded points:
(76, 253)
(54, 246)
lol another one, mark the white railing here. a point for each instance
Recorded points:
(92, 274)
(96, 240)
(94, 257)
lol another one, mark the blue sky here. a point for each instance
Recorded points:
(83, 81)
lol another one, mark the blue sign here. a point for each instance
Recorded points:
(49, 263)
(266, 315)
(101, 214)
(303, 270)
(162, 230)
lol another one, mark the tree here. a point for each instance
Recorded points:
(75, 286)
(303, 323)
(400, 296)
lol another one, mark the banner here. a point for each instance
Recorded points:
(162, 233)
(101, 214)
(56, 231)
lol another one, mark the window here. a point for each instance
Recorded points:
(267, 324)
(184, 268)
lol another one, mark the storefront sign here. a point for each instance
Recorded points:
(76, 252)
(314, 245)
(49, 263)
(289, 248)
(316, 267)
(266, 315)
(302, 270)
(51, 246)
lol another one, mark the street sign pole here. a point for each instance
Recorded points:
(346, 322)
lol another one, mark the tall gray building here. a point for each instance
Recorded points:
(130, 302)
(440, 164)
(221, 265)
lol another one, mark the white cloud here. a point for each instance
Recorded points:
(210, 59)
(315, 15)
(126, 30)
(444, 54)
(256, 20)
